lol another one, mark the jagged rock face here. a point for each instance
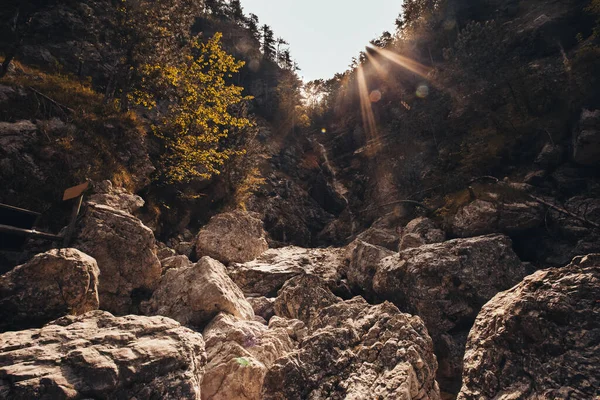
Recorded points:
(425, 229)
(239, 355)
(387, 238)
(237, 236)
(303, 297)
(586, 140)
(97, 356)
(357, 351)
(117, 198)
(482, 217)
(126, 254)
(267, 274)
(363, 266)
(551, 156)
(540, 339)
(262, 306)
(51, 285)
(196, 294)
(446, 284)
(174, 263)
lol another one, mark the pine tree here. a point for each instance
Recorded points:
(268, 43)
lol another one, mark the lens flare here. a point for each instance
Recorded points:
(405, 62)
(323, 131)
(422, 91)
(375, 96)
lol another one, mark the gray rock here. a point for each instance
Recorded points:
(357, 351)
(267, 274)
(303, 297)
(51, 285)
(239, 355)
(586, 139)
(540, 339)
(232, 237)
(100, 356)
(196, 294)
(126, 254)
(426, 229)
(551, 156)
(14, 136)
(446, 284)
(175, 263)
(363, 265)
(115, 197)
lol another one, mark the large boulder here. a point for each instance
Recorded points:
(420, 231)
(357, 351)
(236, 236)
(485, 216)
(51, 285)
(125, 250)
(586, 139)
(98, 356)
(363, 265)
(118, 198)
(239, 355)
(196, 294)
(267, 274)
(540, 339)
(446, 284)
(303, 297)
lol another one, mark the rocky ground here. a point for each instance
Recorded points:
(397, 314)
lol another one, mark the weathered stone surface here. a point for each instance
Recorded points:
(363, 265)
(296, 329)
(482, 217)
(267, 274)
(237, 236)
(586, 140)
(357, 351)
(115, 197)
(303, 297)
(15, 135)
(426, 229)
(175, 263)
(100, 356)
(239, 355)
(410, 241)
(126, 254)
(551, 156)
(387, 238)
(194, 295)
(446, 284)
(51, 285)
(262, 306)
(540, 339)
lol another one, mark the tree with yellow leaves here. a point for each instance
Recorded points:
(196, 106)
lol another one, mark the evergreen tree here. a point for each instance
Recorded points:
(268, 43)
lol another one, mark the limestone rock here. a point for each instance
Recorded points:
(426, 229)
(303, 297)
(551, 156)
(100, 356)
(387, 238)
(267, 274)
(14, 136)
(296, 329)
(482, 217)
(239, 355)
(126, 254)
(175, 263)
(232, 237)
(115, 197)
(586, 140)
(51, 285)
(357, 351)
(410, 241)
(540, 339)
(446, 284)
(262, 306)
(363, 265)
(196, 294)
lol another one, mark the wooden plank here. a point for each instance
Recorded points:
(75, 191)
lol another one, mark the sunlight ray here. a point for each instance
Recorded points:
(405, 62)
(368, 118)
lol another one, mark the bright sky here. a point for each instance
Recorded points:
(324, 35)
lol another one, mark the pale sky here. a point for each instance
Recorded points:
(324, 35)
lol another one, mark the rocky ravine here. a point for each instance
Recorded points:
(127, 320)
